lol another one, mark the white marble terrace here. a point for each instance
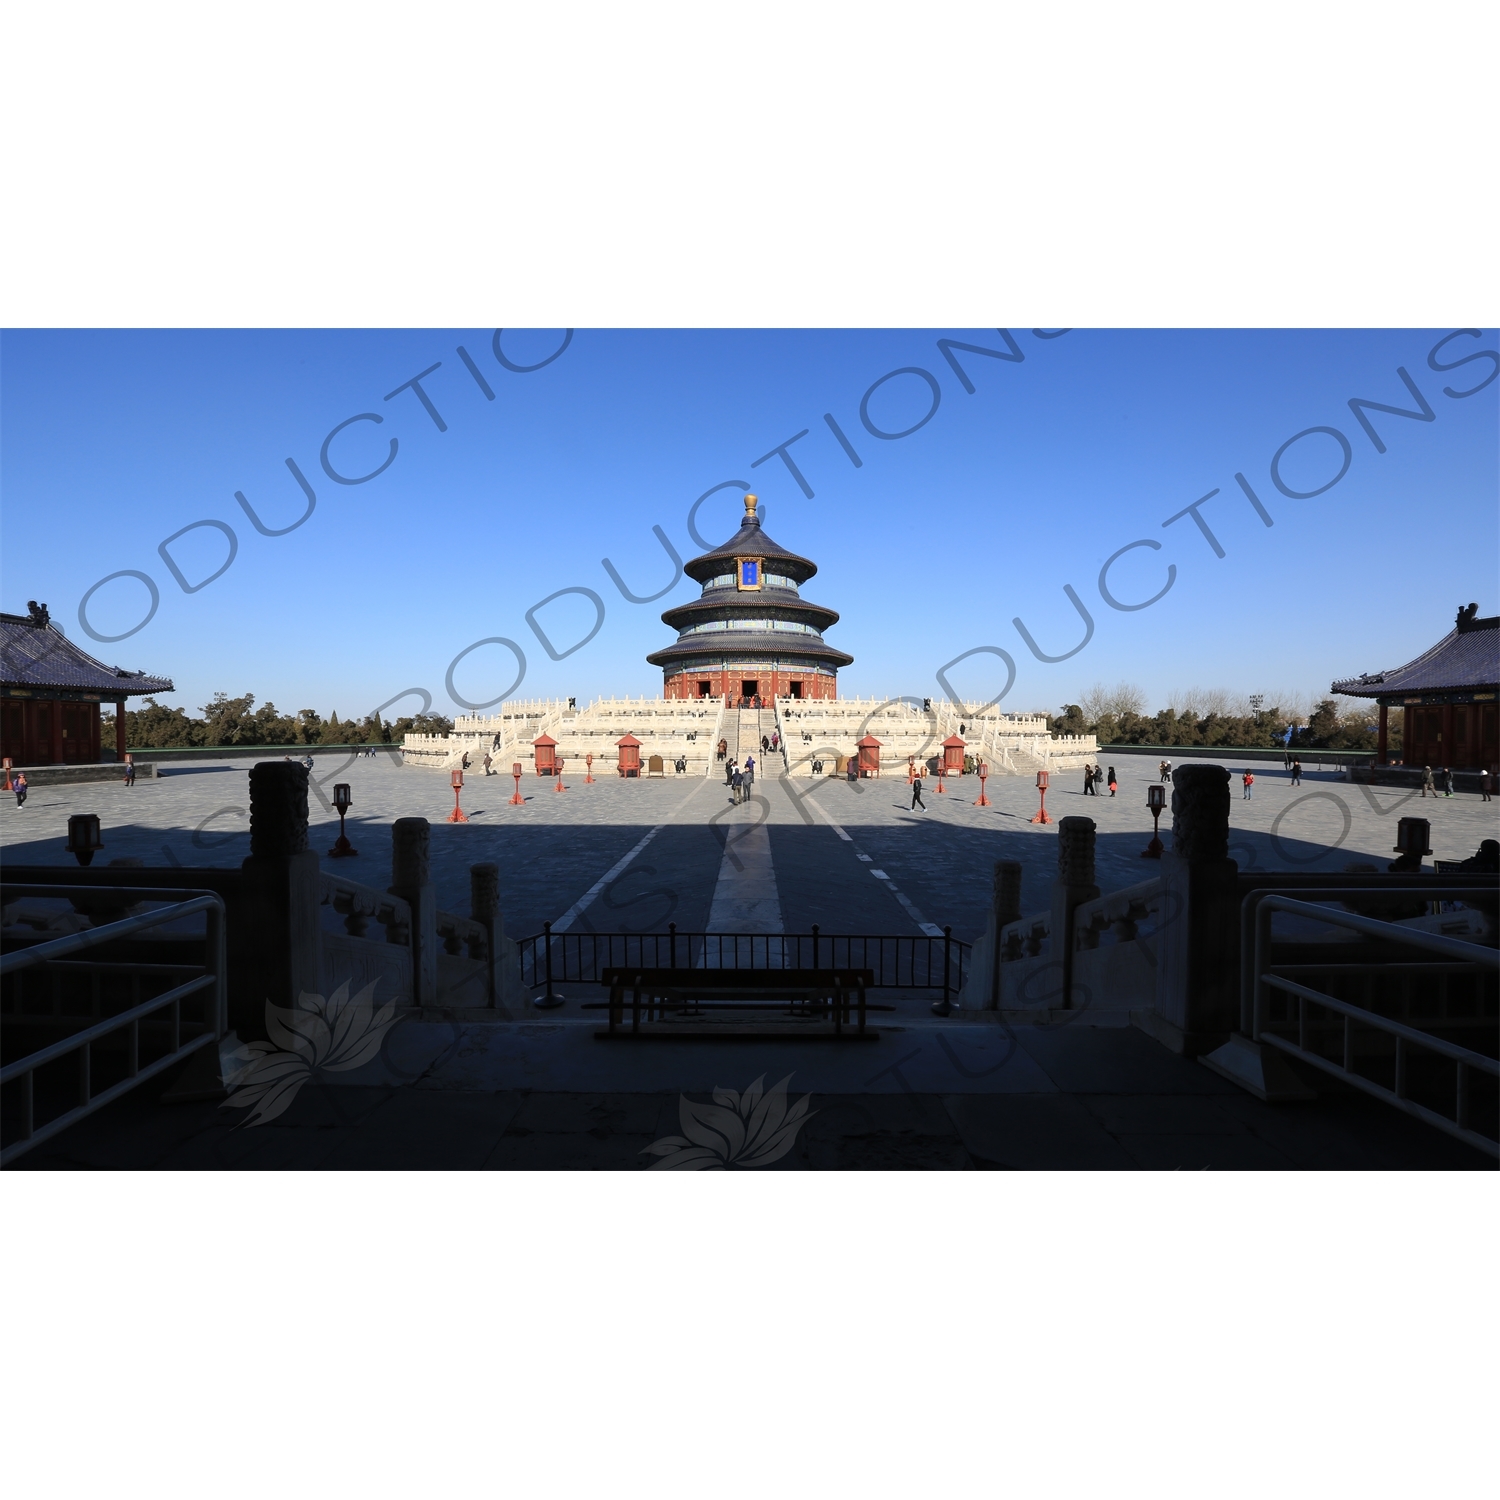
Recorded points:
(688, 729)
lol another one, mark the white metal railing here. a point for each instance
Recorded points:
(1464, 1059)
(180, 903)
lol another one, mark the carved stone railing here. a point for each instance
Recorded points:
(1120, 911)
(360, 904)
(458, 933)
(1024, 938)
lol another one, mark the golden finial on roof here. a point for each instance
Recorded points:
(751, 501)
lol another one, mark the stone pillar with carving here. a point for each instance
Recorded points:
(1197, 995)
(484, 907)
(1005, 908)
(411, 880)
(506, 992)
(1074, 885)
(282, 890)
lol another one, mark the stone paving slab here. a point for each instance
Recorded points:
(566, 1056)
(555, 847)
(1151, 1114)
(1029, 1132)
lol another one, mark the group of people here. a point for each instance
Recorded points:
(740, 780)
(1445, 780)
(769, 746)
(1094, 778)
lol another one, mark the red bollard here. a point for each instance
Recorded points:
(588, 766)
(559, 787)
(984, 772)
(515, 770)
(940, 785)
(458, 815)
(1042, 778)
(7, 787)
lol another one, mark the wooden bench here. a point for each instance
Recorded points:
(735, 1003)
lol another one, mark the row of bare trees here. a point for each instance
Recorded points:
(1119, 715)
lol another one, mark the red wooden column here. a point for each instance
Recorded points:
(1381, 736)
(120, 730)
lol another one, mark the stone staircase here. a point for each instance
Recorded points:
(744, 729)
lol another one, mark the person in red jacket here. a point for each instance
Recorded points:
(1249, 779)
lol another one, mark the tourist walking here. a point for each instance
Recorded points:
(748, 775)
(129, 773)
(1296, 772)
(1114, 785)
(1427, 785)
(1249, 779)
(1166, 770)
(1447, 781)
(737, 781)
(1088, 782)
(916, 794)
(487, 770)
(1484, 784)
(19, 787)
(765, 744)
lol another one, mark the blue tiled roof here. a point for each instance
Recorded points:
(40, 656)
(1467, 657)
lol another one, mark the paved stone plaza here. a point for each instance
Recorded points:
(822, 845)
(634, 855)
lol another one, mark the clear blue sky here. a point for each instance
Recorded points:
(114, 440)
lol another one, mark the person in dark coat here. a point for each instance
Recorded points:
(1427, 783)
(737, 781)
(1447, 781)
(1088, 782)
(1296, 772)
(916, 793)
(1484, 784)
(19, 787)
(1114, 784)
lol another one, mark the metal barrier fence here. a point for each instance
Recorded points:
(20, 1075)
(1456, 955)
(917, 963)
